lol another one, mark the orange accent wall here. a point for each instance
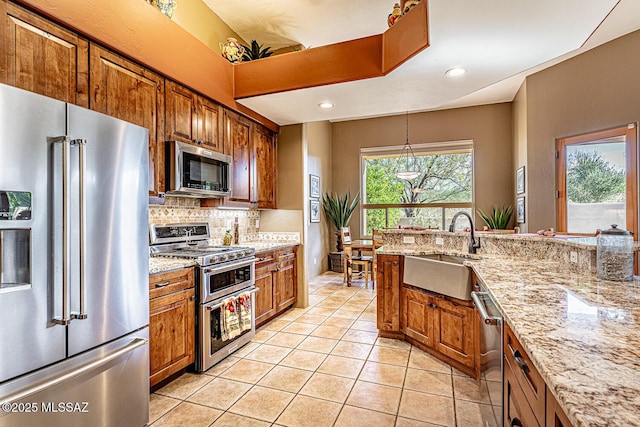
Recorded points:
(137, 30)
(373, 56)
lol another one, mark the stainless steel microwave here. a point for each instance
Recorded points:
(196, 171)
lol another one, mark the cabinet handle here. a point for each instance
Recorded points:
(516, 422)
(163, 284)
(432, 305)
(395, 262)
(517, 357)
(193, 297)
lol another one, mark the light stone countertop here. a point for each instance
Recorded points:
(582, 333)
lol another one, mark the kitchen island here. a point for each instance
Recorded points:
(581, 333)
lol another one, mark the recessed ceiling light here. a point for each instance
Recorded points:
(455, 72)
(326, 105)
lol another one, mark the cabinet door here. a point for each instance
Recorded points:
(41, 57)
(453, 331)
(237, 144)
(417, 316)
(180, 113)
(264, 152)
(389, 274)
(171, 334)
(208, 124)
(286, 286)
(128, 91)
(265, 297)
(516, 409)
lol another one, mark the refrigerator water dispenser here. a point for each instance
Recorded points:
(15, 258)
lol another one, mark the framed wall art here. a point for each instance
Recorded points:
(520, 180)
(314, 186)
(315, 211)
(520, 217)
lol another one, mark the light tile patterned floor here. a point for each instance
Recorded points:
(325, 366)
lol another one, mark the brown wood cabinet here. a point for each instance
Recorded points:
(171, 323)
(555, 415)
(265, 167)
(192, 118)
(454, 331)
(277, 280)
(39, 56)
(417, 316)
(128, 91)
(517, 412)
(389, 272)
(253, 148)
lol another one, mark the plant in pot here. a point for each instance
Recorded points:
(498, 218)
(339, 210)
(255, 52)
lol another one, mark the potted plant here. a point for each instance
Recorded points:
(339, 210)
(498, 218)
(255, 52)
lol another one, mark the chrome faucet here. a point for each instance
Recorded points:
(473, 245)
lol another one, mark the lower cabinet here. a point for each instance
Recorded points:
(517, 411)
(171, 323)
(277, 279)
(444, 326)
(389, 277)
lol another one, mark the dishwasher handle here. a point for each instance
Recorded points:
(476, 297)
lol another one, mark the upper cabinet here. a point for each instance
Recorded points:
(42, 57)
(265, 166)
(253, 148)
(192, 118)
(128, 91)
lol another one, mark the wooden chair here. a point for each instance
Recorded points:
(376, 242)
(366, 262)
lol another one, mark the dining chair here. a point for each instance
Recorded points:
(350, 260)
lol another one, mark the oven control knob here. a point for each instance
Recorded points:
(216, 259)
(224, 257)
(233, 255)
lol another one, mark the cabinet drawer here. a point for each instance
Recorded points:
(525, 373)
(516, 411)
(265, 258)
(286, 254)
(172, 281)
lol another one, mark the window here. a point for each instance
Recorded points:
(444, 187)
(597, 181)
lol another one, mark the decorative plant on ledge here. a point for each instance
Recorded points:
(339, 210)
(499, 217)
(255, 51)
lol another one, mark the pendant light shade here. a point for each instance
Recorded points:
(407, 166)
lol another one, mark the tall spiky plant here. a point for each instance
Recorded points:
(255, 51)
(339, 210)
(499, 217)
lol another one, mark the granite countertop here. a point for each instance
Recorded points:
(582, 333)
(165, 264)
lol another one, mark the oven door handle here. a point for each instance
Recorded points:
(232, 266)
(214, 305)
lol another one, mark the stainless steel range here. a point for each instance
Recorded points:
(225, 288)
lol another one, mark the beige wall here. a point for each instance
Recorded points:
(317, 236)
(489, 127)
(596, 90)
(195, 17)
(519, 109)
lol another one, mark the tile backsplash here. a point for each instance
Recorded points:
(183, 209)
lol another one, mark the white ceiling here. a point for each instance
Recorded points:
(499, 42)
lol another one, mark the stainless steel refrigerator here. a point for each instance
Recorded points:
(74, 307)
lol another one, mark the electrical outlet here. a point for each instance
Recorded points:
(408, 239)
(439, 241)
(257, 223)
(573, 257)
(315, 261)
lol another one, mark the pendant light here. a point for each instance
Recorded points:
(406, 167)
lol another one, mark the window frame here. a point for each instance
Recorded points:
(629, 132)
(448, 147)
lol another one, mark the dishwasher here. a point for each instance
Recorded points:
(491, 347)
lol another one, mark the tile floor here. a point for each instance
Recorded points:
(325, 366)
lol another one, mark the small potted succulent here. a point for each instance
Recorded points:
(498, 218)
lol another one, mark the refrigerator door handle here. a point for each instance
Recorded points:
(81, 143)
(66, 228)
(87, 367)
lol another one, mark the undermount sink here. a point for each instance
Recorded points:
(443, 274)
